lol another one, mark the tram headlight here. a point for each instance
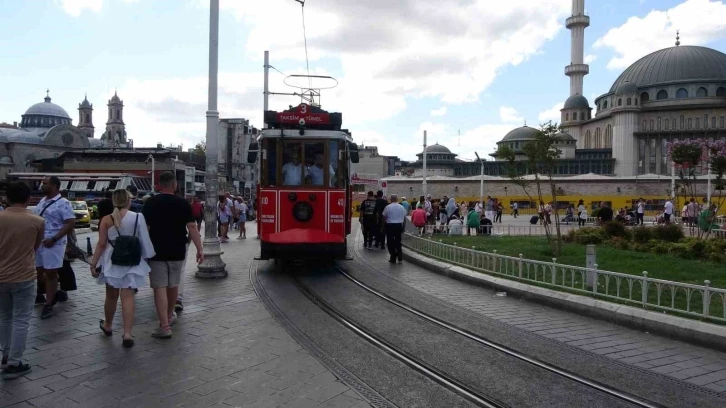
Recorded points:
(302, 211)
(292, 197)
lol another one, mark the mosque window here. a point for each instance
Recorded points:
(662, 94)
(651, 161)
(713, 122)
(645, 126)
(681, 93)
(698, 123)
(567, 117)
(705, 121)
(721, 91)
(629, 101)
(644, 97)
(636, 101)
(701, 92)
(664, 167)
(683, 122)
(721, 125)
(658, 123)
(620, 101)
(598, 139)
(588, 140)
(652, 125)
(673, 123)
(605, 104)
(608, 137)
(690, 123)
(666, 124)
(641, 156)
(582, 115)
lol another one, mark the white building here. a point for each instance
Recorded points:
(235, 174)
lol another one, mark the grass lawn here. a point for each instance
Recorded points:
(611, 259)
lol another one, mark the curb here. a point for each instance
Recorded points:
(81, 231)
(679, 328)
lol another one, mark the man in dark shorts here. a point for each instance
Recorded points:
(169, 217)
(381, 204)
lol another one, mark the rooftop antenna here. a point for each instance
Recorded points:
(458, 141)
(678, 38)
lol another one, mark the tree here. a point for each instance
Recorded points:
(200, 148)
(541, 156)
(708, 155)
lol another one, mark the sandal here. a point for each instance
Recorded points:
(108, 333)
(128, 343)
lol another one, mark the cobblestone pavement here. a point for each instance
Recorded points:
(227, 350)
(696, 365)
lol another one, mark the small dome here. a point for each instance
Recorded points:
(115, 98)
(626, 87)
(437, 148)
(521, 133)
(6, 160)
(576, 101)
(47, 108)
(85, 104)
(565, 137)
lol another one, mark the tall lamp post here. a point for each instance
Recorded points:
(481, 180)
(423, 181)
(153, 162)
(212, 266)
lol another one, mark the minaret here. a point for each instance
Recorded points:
(85, 117)
(577, 68)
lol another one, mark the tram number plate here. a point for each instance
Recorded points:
(337, 218)
(268, 219)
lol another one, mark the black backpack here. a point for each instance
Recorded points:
(126, 248)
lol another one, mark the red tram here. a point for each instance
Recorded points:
(304, 195)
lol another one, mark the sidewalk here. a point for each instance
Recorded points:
(227, 350)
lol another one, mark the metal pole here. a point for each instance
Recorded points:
(673, 180)
(423, 183)
(153, 169)
(213, 266)
(267, 83)
(708, 177)
(481, 180)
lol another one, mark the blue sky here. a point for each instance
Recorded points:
(488, 66)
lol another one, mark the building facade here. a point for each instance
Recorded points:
(235, 174)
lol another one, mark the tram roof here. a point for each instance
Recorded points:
(308, 134)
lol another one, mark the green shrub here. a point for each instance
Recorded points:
(659, 247)
(619, 243)
(641, 235)
(589, 235)
(697, 247)
(668, 233)
(641, 247)
(680, 250)
(615, 229)
(570, 237)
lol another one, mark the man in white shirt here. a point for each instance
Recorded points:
(59, 222)
(395, 216)
(292, 172)
(668, 211)
(317, 174)
(640, 212)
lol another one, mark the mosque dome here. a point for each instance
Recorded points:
(674, 65)
(576, 101)
(521, 133)
(565, 137)
(47, 108)
(437, 148)
(626, 87)
(6, 160)
(85, 104)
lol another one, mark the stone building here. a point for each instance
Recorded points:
(235, 174)
(371, 162)
(46, 131)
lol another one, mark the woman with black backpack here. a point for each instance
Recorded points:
(119, 261)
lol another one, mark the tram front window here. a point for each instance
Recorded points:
(292, 170)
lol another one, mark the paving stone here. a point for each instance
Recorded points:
(224, 345)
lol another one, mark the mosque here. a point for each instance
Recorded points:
(46, 131)
(671, 94)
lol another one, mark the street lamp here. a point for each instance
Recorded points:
(212, 266)
(481, 180)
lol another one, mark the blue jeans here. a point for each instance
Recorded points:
(16, 308)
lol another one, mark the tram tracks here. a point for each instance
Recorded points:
(441, 377)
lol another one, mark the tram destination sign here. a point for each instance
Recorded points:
(310, 115)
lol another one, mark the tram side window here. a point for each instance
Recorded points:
(336, 176)
(270, 162)
(292, 167)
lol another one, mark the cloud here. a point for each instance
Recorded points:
(509, 115)
(590, 58)
(700, 21)
(439, 112)
(75, 7)
(552, 114)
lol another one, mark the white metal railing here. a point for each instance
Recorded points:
(496, 229)
(689, 299)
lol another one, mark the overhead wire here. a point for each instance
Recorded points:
(305, 38)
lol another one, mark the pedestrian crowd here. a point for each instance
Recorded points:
(141, 242)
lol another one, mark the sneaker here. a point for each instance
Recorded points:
(40, 299)
(392, 260)
(13, 372)
(179, 306)
(162, 333)
(47, 312)
(172, 319)
(400, 259)
(4, 363)
(61, 296)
